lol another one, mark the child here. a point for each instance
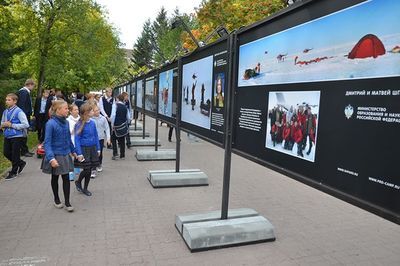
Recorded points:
(119, 122)
(14, 123)
(59, 150)
(103, 130)
(87, 146)
(73, 118)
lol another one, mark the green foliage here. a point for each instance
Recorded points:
(231, 14)
(158, 43)
(9, 82)
(160, 29)
(64, 44)
(143, 51)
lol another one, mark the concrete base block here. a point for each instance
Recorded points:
(180, 220)
(170, 178)
(138, 128)
(144, 142)
(225, 233)
(152, 155)
(138, 133)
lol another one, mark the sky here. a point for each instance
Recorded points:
(128, 16)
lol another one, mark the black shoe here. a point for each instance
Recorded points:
(21, 167)
(78, 186)
(169, 140)
(87, 192)
(308, 153)
(69, 208)
(10, 176)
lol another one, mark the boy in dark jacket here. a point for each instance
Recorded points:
(25, 103)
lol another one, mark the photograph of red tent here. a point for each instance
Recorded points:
(359, 42)
(368, 46)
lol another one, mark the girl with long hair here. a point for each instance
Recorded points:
(87, 147)
(59, 152)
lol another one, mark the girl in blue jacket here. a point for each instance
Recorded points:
(87, 147)
(59, 152)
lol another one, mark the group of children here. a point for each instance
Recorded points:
(73, 142)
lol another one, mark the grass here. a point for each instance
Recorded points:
(4, 163)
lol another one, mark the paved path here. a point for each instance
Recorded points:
(127, 222)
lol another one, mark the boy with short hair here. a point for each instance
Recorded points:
(14, 124)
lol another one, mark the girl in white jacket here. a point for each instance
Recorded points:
(72, 119)
(103, 130)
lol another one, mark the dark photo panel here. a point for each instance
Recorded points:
(133, 94)
(219, 88)
(139, 93)
(165, 91)
(317, 97)
(203, 90)
(197, 91)
(150, 98)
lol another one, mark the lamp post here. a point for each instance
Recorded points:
(179, 22)
(221, 31)
(291, 2)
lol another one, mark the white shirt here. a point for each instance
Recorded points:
(101, 106)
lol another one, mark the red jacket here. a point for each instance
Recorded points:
(286, 133)
(301, 118)
(274, 129)
(298, 134)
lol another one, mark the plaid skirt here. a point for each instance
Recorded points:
(91, 158)
(65, 162)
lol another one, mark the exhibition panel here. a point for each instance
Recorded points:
(317, 97)
(203, 88)
(150, 95)
(167, 93)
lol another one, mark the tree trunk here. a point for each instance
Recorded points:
(44, 51)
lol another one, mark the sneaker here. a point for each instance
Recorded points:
(87, 192)
(93, 174)
(69, 208)
(10, 176)
(122, 158)
(115, 157)
(99, 169)
(28, 154)
(21, 167)
(78, 186)
(58, 206)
